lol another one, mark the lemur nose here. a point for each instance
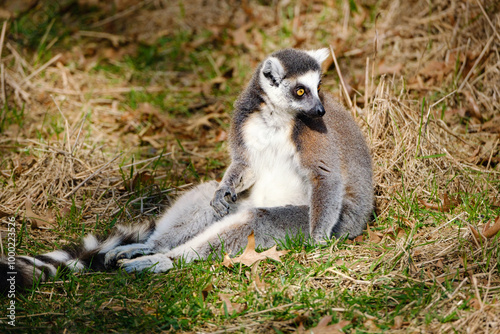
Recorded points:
(320, 111)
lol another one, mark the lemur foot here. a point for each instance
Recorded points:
(125, 252)
(219, 202)
(157, 263)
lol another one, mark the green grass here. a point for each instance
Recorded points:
(363, 282)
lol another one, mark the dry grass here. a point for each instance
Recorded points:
(424, 81)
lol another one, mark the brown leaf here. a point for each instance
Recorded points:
(324, 328)
(375, 237)
(206, 290)
(475, 303)
(142, 179)
(36, 220)
(491, 231)
(398, 322)
(475, 234)
(221, 136)
(359, 238)
(227, 262)
(260, 286)
(445, 206)
(231, 307)
(493, 125)
(390, 69)
(371, 325)
(474, 110)
(250, 256)
(4, 214)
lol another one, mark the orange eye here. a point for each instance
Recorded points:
(300, 91)
(319, 88)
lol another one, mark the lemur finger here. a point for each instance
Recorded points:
(233, 194)
(220, 206)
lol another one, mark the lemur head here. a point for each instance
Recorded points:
(291, 80)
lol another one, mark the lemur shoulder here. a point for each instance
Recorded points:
(299, 164)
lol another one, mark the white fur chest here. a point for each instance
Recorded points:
(274, 161)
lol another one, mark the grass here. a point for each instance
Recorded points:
(417, 270)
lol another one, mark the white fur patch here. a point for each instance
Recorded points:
(90, 242)
(75, 265)
(39, 263)
(310, 80)
(59, 255)
(273, 157)
(229, 222)
(110, 244)
(320, 55)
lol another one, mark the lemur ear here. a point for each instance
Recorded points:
(320, 55)
(273, 70)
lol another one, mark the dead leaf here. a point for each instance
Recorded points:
(324, 328)
(390, 69)
(260, 286)
(437, 70)
(142, 179)
(446, 204)
(221, 136)
(475, 304)
(4, 214)
(474, 110)
(231, 307)
(250, 256)
(493, 125)
(36, 220)
(227, 262)
(475, 234)
(398, 322)
(370, 324)
(203, 121)
(491, 231)
(375, 237)
(206, 290)
(359, 238)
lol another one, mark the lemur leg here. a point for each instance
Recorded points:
(355, 212)
(187, 217)
(231, 233)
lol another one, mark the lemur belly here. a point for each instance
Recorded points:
(273, 158)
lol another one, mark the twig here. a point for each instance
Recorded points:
(2, 37)
(121, 14)
(346, 94)
(432, 106)
(142, 161)
(367, 74)
(91, 176)
(486, 47)
(114, 39)
(65, 122)
(12, 82)
(79, 131)
(357, 281)
(489, 21)
(43, 67)
(476, 290)
(117, 90)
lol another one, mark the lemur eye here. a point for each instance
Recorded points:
(319, 88)
(300, 91)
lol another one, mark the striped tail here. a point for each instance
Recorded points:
(24, 272)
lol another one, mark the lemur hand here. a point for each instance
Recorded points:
(219, 202)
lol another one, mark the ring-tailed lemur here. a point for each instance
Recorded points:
(299, 165)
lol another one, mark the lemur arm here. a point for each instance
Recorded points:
(326, 200)
(238, 178)
(320, 156)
